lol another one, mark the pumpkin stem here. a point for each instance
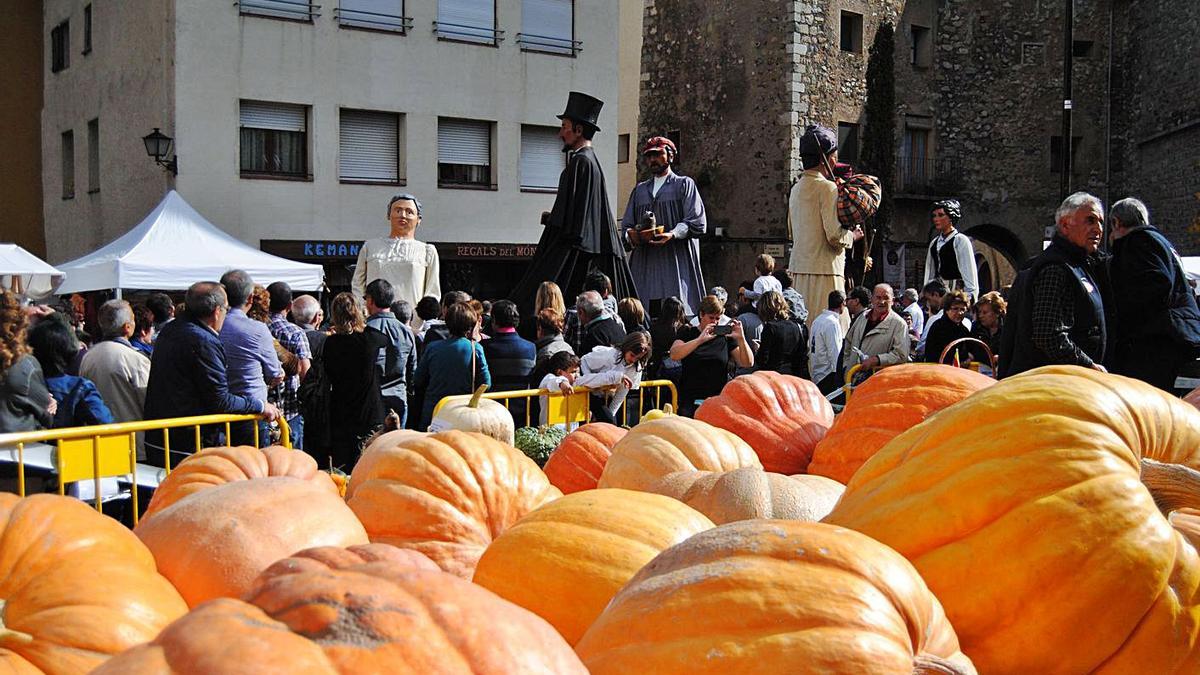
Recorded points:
(928, 664)
(474, 402)
(1173, 486)
(9, 636)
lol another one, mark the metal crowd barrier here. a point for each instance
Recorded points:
(573, 408)
(949, 350)
(108, 450)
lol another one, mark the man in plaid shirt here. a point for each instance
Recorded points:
(292, 337)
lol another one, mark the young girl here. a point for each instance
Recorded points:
(619, 367)
(564, 368)
(764, 265)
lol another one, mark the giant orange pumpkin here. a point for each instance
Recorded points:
(214, 542)
(565, 560)
(447, 495)
(889, 403)
(578, 461)
(216, 466)
(774, 596)
(75, 587)
(1030, 510)
(375, 617)
(781, 416)
(654, 449)
(745, 494)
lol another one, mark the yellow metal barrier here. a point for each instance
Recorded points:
(110, 450)
(572, 408)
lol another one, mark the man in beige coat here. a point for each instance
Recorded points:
(119, 371)
(878, 337)
(819, 242)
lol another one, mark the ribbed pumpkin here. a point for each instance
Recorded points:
(889, 403)
(75, 587)
(581, 550)
(216, 466)
(1022, 509)
(368, 618)
(478, 414)
(214, 542)
(745, 494)
(447, 495)
(774, 596)
(323, 558)
(578, 461)
(654, 449)
(781, 416)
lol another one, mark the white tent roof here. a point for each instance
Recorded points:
(34, 276)
(174, 247)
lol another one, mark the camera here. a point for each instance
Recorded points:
(723, 330)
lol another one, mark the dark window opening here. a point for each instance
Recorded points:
(1082, 49)
(922, 54)
(623, 149)
(68, 165)
(87, 29)
(60, 45)
(852, 32)
(847, 142)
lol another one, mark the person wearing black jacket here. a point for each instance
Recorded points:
(1157, 322)
(783, 346)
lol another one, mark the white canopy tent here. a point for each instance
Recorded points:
(23, 272)
(174, 247)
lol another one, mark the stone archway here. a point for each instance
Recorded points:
(998, 255)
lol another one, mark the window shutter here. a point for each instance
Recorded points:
(277, 116)
(372, 13)
(468, 19)
(542, 158)
(370, 146)
(548, 19)
(464, 142)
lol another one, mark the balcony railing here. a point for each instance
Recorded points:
(359, 18)
(928, 177)
(546, 43)
(280, 9)
(464, 33)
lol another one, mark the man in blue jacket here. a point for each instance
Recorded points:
(187, 375)
(1157, 323)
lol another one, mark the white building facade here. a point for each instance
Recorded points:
(295, 123)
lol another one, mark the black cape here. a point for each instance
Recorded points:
(580, 236)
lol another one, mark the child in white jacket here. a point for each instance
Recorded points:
(619, 367)
(564, 369)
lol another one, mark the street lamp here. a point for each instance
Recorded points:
(158, 145)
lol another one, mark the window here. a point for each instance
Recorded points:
(847, 142)
(922, 53)
(68, 165)
(274, 139)
(464, 153)
(298, 10)
(468, 21)
(60, 47)
(852, 32)
(370, 147)
(373, 14)
(94, 156)
(1056, 153)
(623, 149)
(915, 167)
(87, 29)
(548, 26)
(1082, 49)
(542, 158)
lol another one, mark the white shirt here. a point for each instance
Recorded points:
(825, 345)
(761, 285)
(658, 183)
(605, 367)
(918, 318)
(411, 267)
(964, 253)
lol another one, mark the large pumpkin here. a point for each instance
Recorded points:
(323, 558)
(476, 414)
(367, 618)
(578, 461)
(216, 466)
(75, 587)
(889, 403)
(214, 542)
(774, 596)
(654, 449)
(781, 416)
(447, 495)
(1023, 510)
(567, 559)
(745, 494)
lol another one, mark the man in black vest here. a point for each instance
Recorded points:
(1059, 298)
(1157, 322)
(951, 256)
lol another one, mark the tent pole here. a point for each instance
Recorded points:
(118, 293)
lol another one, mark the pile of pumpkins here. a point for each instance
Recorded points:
(943, 523)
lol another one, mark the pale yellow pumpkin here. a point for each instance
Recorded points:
(477, 414)
(651, 450)
(744, 494)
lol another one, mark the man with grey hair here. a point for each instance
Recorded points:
(119, 371)
(307, 314)
(1157, 322)
(252, 365)
(909, 301)
(598, 328)
(1056, 306)
(879, 336)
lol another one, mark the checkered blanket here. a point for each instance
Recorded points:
(858, 199)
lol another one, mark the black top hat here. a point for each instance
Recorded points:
(583, 109)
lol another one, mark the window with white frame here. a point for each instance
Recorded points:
(273, 139)
(464, 153)
(548, 26)
(369, 147)
(468, 20)
(542, 158)
(373, 14)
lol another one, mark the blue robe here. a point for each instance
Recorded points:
(674, 268)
